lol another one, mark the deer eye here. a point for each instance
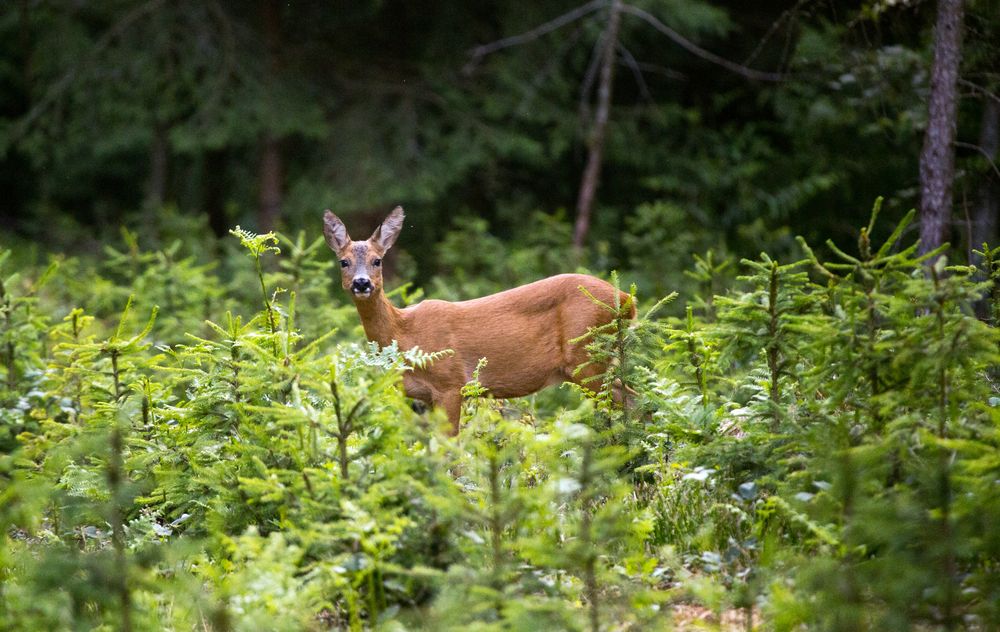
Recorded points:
(344, 263)
(377, 262)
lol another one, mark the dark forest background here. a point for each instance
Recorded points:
(734, 127)
(194, 433)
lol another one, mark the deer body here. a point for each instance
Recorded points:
(524, 333)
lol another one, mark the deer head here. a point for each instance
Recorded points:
(361, 261)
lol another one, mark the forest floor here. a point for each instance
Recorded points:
(694, 617)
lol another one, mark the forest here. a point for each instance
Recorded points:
(786, 418)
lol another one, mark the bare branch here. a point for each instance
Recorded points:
(589, 77)
(532, 90)
(983, 152)
(479, 52)
(785, 15)
(657, 69)
(597, 135)
(630, 61)
(978, 89)
(698, 51)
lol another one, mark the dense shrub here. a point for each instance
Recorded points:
(190, 444)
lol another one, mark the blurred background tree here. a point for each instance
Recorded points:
(750, 122)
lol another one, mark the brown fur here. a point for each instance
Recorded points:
(524, 333)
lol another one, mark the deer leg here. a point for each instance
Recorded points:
(588, 376)
(622, 393)
(451, 402)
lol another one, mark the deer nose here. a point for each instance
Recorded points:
(361, 284)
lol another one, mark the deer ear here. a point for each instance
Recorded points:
(387, 232)
(335, 232)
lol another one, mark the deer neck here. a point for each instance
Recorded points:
(380, 319)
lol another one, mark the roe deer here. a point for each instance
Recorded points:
(523, 333)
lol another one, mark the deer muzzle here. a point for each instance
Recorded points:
(362, 286)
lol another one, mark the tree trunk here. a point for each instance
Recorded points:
(984, 214)
(271, 166)
(156, 183)
(159, 165)
(595, 154)
(214, 191)
(937, 158)
(271, 178)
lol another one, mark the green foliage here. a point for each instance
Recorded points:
(766, 322)
(22, 342)
(815, 448)
(189, 440)
(166, 107)
(475, 262)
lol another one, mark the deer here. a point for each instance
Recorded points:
(532, 336)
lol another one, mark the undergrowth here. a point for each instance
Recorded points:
(814, 448)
